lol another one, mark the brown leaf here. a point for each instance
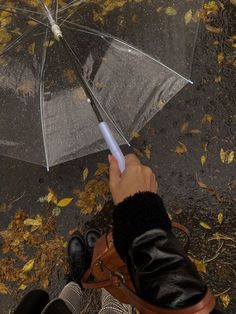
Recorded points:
(135, 135)
(220, 58)
(52, 197)
(85, 173)
(184, 127)
(69, 75)
(102, 168)
(213, 29)
(181, 148)
(3, 289)
(26, 87)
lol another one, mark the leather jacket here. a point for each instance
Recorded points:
(160, 269)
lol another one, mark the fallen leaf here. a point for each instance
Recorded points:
(218, 79)
(195, 131)
(188, 17)
(102, 168)
(184, 127)
(65, 202)
(233, 2)
(31, 48)
(205, 225)
(181, 148)
(32, 23)
(56, 211)
(207, 118)
(213, 29)
(135, 135)
(69, 75)
(33, 222)
(52, 197)
(28, 266)
(43, 199)
(26, 87)
(205, 147)
(48, 43)
(22, 287)
(211, 6)
(85, 173)
(225, 299)
(220, 218)
(148, 150)
(200, 265)
(203, 160)
(227, 157)
(170, 11)
(220, 58)
(3, 289)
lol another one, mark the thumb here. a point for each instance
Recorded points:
(114, 171)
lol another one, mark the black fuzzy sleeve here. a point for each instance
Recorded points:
(136, 215)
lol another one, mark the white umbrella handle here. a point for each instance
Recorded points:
(113, 145)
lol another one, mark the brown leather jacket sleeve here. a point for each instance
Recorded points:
(161, 271)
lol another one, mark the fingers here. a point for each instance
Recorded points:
(131, 159)
(114, 171)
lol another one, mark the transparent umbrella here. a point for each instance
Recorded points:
(120, 62)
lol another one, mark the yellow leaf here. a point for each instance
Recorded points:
(85, 173)
(56, 211)
(211, 6)
(170, 11)
(220, 218)
(233, 2)
(220, 58)
(52, 197)
(181, 149)
(203, 160)
(200, 265)
(225, 299)
(3, 289)
(135, 135)
(226, 156)
(65, 202)
(28, 266)
(33, 222)
(218, 79)
(48, 43)
(195, 131)
(22, 287)
(213, 29)
(148, 151)
(31, 48)
(207, 118)
(205, 225)
(32, 23)
(188, 17)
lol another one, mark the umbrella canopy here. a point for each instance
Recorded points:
(135, 54)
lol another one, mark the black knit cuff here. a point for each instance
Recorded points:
(136, 215)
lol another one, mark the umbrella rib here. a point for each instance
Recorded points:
(29, 17)
(18, 40)
(72, 4)
(2, 7)
(41, 100)
(103, 35)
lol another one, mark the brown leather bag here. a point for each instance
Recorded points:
(110, 272)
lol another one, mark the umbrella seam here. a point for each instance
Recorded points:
(41, 100)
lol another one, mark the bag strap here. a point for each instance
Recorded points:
(182, 228)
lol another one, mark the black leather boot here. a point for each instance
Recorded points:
(78, 258)
(91, 236)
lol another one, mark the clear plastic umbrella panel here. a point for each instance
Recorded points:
(135, 55)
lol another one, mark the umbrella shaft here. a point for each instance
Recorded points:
(74, 60)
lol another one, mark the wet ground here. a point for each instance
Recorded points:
(192, 192)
